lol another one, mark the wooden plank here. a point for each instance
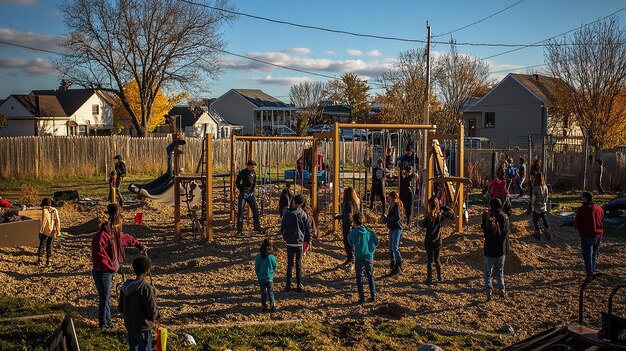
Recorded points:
(335, 210)
(460, 161)
(371, 126)
(209, 187)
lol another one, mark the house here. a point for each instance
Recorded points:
(253, 110)
(332, 113)
(518, 106)
(211, 122)
(58, 112)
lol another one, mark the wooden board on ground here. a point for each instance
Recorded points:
(20, 233)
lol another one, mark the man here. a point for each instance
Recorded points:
(120, 171)
(521, 177)
(379, 174)
(589, 222)
(246, 180)
(598, 173)
(408, 159)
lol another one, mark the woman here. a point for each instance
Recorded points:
(393, 219)
(496, 231)
(50, 229)
(539, 201)
(350, 205)
(432, 241)
(107, 252)
(498, 190)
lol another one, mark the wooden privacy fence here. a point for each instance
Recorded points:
(49, 157)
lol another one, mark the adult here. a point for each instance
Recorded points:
(599, 170)
(245, 183)
(379, 174)
(120, 174)
(496, 230)
(521, 177)
(50, 228)
(589, 223)
(107, 253)
(409, 158)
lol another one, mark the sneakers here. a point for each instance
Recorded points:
(299, 289)
(503, 294)
(488, 295)
(361, 301)
(272, 308)
(372, 299)
(428, 281)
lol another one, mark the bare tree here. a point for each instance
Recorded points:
(307, 97)
(593, 65)
(156, 43)
(457, 78)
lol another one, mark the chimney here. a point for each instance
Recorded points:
(536, 76)
(64, 85)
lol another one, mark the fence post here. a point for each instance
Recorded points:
(585, 155)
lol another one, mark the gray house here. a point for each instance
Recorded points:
(518, 106)
(254, 110)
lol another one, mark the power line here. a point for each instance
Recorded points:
(480, 20)
(518, 68)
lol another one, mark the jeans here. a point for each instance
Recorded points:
(103, 285)
(294, 253)
(432, 254)
(241, 206)
(378, 191)
(45, 241)
(542, 216)
(267, 292)
(345, 231)
(118, 184)
(494, 265)
(407, 202)
(368, 265)
(590, 248)
(140, 340)
(520, 186)
(394, 244)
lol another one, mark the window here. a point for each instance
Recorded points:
(490, 119)
(95, 109)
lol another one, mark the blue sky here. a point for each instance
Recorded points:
(37, 23)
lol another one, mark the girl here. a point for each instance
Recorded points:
(393, 219)
(498, 190)
(306, 207)
(432, 241)
(539, 201)
(407, 190)
(496, 231)
(50, 229)
(350, 206)
(265, 266)
(107, 252)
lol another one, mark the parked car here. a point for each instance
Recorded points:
(319, 128)
(353, 134)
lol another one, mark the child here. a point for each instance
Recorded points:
(406, 191)
(498, 190)
(389, 160)
(50, 229)
(306, 207)
(138, 306)
(265, 266)
(539, 201)
(350, 206)
(295, 230)
(432, 241)
(496, 229)
(379, 175)
(393, 219)
(364, 241)
(112, 188)
(285, 199)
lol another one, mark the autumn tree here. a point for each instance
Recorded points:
(3, 120)
(157, 43)
(307, 97)
(352, 91)
(593, 67)
(457, 78)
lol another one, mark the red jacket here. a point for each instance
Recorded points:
(589, 221)
(497, 188)
(102, 253)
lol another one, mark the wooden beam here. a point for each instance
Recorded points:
(335, 210)
(461, 173)
(208, 225)
(438, 136)
(385, 126)
(177, 234)
(274, 138)
(328, 135)
(232, 179)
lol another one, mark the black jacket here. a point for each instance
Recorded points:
(393, 219)
(246, 180)
(295, 227)
(120, 168)
(378, 177)
(433, 228)
(389, 164)
(138, 305)
(347, 211)
(285, 200)
(496, 243)
(406, 185)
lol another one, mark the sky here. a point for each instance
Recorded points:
(38, 23)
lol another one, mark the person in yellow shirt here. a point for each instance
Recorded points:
(50, 229)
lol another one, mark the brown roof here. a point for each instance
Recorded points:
(41, 106)
(261, 99)
(544, 87)
(71, 99)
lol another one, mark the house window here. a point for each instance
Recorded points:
(95, 109)
(490, 119)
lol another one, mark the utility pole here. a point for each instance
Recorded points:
(426, 119)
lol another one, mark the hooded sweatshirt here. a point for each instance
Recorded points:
(264, 267)
(103, 254)
(295, 227)
(589, 220)
(364, 241)
(138, 305)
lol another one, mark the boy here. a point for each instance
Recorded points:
(296, 231)
(286, 196)
(379, 174)
(138, 306)
(364, 241)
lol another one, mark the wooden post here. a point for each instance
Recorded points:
(460, 162)
(177, 234)
(429, 167)
(209, 187)
(232, 179)
(314, 183)
(335, 211)
(251, 147)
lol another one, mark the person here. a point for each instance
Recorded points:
(285, 199)
(589, 222)
(365, 242)
(378, 184)
(393, 220)
(408, 158)
(539, 201)
(511, 173)
(599, 170)
(433, 241)
(349, 207)
(498, 190)
(245, 183)
(138, 306)
(407, 191)
(521, 177)
(107, 253)
(49, 229)
(295, 231)
(306, 207)
(120, 174)
(496, 230)
(112, 187)
(265, 265)
(389, 160)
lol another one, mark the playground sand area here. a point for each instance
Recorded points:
(215, 283)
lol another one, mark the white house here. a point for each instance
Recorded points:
(210, 122)
(58, 112)
(254, 110)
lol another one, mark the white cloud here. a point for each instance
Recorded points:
(373, 53)
(40, 41)
(300, 51)
(329, 52)
(286, 81)
(353, 52)
(19, 2)
(38, 66)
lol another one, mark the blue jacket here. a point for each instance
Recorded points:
(295, 227)
(265, 267)
(364, 241)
